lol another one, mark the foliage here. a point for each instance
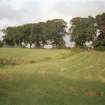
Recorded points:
(82, 30)
(100, 41)
(1, 44)
(36, 33)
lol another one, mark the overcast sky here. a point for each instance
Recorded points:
(15, 12)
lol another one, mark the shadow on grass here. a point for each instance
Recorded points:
(35, 89)
(10, 61)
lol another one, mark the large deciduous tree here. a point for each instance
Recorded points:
(82, 30)
(56, 31)
(37, 33)
(100, 20)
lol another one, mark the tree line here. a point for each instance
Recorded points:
(37, 33)
(81, 29)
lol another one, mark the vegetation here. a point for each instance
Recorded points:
(83, 29)
(1, 43)
(100, 41)
(55, 77)
(38, 33)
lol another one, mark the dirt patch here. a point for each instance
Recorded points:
(92, 93)
(95, 93)
(3, 77)
(10, 61)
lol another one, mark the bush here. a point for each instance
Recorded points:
(100, 48)
(1, 44)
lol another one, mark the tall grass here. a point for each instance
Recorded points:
(52, 77)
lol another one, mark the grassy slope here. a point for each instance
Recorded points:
(52, 77)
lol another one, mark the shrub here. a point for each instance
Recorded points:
(1, 44)
(100, 48)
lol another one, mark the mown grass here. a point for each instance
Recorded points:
(56, 77)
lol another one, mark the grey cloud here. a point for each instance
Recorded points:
(8, 12)
(30, 9)
(80, 7)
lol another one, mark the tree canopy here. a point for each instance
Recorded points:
(81, 29)
(37, 33)
(100, 41)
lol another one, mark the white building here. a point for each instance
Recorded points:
(89, 44)
(48, 46)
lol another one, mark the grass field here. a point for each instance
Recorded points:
(52, 77)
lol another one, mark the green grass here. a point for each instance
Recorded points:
(52, 77)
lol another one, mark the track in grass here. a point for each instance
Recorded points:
(56, 77)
